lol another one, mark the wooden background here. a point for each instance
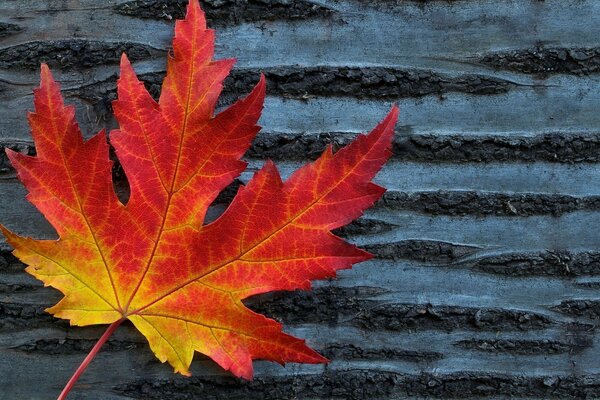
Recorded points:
(487, 278)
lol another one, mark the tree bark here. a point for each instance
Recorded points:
(487, 272)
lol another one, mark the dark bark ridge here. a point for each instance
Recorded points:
(421, 250)
(555, 147)
(226, 12)
(7, 29)
(552, 147)
(306, 82)
(367, 384)
(359, 307)
(72, 54)
(479, 203)
(555, 263)
(576, 344)
(545, 61)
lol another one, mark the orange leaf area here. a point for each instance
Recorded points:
(153, 261)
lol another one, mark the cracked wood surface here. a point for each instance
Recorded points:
(487, 272)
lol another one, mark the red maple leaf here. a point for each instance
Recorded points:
(152, 261)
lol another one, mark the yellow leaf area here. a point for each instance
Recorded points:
(152, 260)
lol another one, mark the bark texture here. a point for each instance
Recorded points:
(487, 276)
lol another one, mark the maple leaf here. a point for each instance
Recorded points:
(153, 261)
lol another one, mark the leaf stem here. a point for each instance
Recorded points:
(111, 328)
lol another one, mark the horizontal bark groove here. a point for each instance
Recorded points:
(6, 287)
(555, 148)
(551, 147)
(76, 346)
(401, 317)
(548, 263)
(228, 12)
(327, 304)
(10, 263)
(364, 226)
(589, 309)
(546, 61)
(365, 82)
(354, 307)
(16, 317)
(7, 29)
(555, 263)
(337, 351)
(421, 250)
(577, 344)
(367, 384)
(341, 351)
(476, 203)
(70, 54)
(322, 81)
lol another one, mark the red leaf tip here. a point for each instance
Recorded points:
(46, 77)
(194, 11)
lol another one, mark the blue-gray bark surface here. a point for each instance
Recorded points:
(487, 276)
